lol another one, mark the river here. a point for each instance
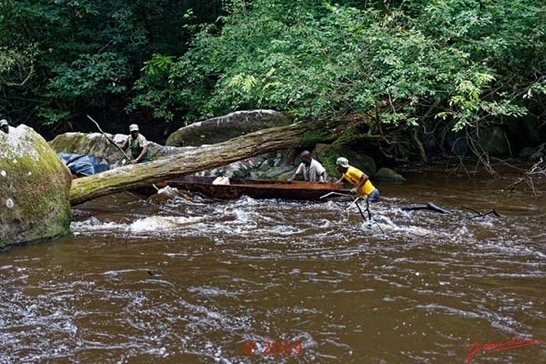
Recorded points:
(193, 280)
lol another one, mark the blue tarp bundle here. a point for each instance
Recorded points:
(83, 164)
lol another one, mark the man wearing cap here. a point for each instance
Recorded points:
(310, 168)
(138, 145)
(4, 126)
(359, 179)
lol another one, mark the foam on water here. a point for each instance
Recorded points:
(144, 226)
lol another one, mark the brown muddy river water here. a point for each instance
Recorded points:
(191, 280)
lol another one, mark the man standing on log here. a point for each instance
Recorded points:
(138, 145)
(359, 179)
(310, 168)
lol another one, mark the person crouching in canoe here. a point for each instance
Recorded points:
(359, 179)
(310, 168)
(138, 145)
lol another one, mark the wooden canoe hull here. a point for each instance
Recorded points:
(259, 189)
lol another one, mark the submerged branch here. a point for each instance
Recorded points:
(538, 170)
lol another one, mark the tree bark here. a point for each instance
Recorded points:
(199, 159)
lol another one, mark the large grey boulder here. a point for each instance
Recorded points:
(34, 189)
(226, 127)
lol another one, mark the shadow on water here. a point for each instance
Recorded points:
(192, 280)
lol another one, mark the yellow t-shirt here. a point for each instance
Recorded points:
(353, 176)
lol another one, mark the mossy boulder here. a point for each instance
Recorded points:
(34, 189)
(82, 143)
(226, 127)
(389, 175)
(327, 155)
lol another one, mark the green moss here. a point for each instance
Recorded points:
(328, 156)
(69, 143)
(174, 140)
(387, 174)
(324, 132)
(38, 183)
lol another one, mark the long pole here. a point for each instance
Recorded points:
(109, 139)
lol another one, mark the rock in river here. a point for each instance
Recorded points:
(226, 127)
(34, 189)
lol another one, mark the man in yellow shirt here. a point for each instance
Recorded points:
(359, 179)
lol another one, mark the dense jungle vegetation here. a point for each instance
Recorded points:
(410, 73)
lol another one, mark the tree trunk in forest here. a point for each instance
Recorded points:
(199, 159)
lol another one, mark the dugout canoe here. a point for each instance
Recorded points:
(234, 188)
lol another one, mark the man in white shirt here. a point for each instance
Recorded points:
(310, 168)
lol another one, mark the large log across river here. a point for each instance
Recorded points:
(198, 159)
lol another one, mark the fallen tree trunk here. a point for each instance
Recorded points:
(199, 159)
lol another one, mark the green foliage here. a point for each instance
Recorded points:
(503, 42)
(89, 74)
(62, 59)
(16, 66)
(403, 64)
(154, 77)
(412, 63)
